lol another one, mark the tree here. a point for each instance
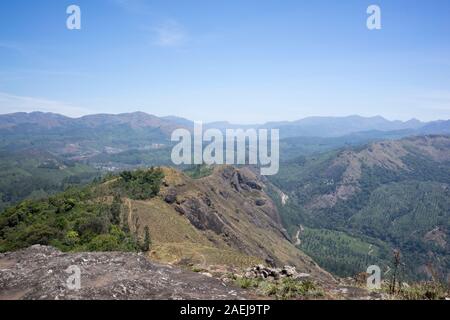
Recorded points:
(115, 210)
(147, 240)
(140, 184)
(72, 238)
(104, 242)
(396, 263)
(126, 175)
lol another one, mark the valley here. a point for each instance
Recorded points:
(386, 194)
(105, 183)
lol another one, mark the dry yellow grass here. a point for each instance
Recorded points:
(234, 231)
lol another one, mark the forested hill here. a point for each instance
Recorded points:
(353, 206)
(221, 217)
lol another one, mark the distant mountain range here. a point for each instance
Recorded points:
(40, 120)
(349, 190)
(307, 127)
(124, 140)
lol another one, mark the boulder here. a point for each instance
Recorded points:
(260, 202)
(263, 272)
(171, 197)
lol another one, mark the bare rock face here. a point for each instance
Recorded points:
(171, 196)
(227, 217)
(42, 273)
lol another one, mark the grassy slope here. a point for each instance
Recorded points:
(176, 240)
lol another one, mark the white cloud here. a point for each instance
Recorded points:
(170, 34)
(10, 103)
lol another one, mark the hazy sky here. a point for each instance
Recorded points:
(238, 60)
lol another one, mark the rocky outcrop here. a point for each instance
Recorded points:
(43, 272)
(226, 217)
(263, 272)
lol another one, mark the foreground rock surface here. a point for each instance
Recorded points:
(39, 272)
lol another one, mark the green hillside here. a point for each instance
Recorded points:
(36, 174)
(391, 195)
(79, 219)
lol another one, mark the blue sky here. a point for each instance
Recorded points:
(245, 61)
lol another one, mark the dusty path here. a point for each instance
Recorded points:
(297, 240)
(284, 198)
(130, 213)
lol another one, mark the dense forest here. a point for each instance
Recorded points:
(81, 218)
(35, 174)
(384, 196)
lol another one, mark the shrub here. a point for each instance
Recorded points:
(37, 234)
(140, 184)
(424, 291)
(286, 288)
(147, 240)
(72, 238)
(246, 283)
(104, 242)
